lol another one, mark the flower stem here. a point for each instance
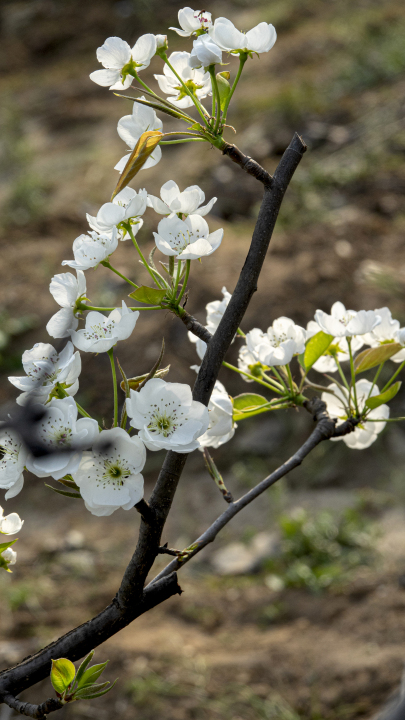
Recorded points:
(177, 142)
(341, 373)
(215, 91)
(110, 267)
(84, 307)
(349, 343)
(183, 289)
(186, 90)
(376, 376)
(393, 377)
(278, 376)
(142, 257)
(240, 333)
(144, 85)
(252, 377)
(110, 354)
(242, 60)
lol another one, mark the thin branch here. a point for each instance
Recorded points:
(195, 327)
(251, 166)
(34, 711)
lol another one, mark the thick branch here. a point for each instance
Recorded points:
(195, 327)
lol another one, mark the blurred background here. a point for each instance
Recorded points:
(298, 610)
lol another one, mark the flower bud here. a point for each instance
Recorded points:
(205, 52)
(161, 42)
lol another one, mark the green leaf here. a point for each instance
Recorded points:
(384, 397)
(92, 674)
(375, 356)
(223, 87)
(151, 296)
(135, 382)
(69, 483)
(86, 694)
(4, 546)
(248, 401)
(316, 347)
(83, 666)
(62, 673)
(64, 492)
(142, 150)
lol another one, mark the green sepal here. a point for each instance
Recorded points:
(372, 357)
(384, 397)
(316, 347)
(64, 492)
(62, 674)
(151, 296)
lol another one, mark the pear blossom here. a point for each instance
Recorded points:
(102, 333)
(12, 463)
(64, 437)
(248, 362)
(9, 556)
(221, 427)
(67, 290)
(345, 323)
(192, 21)
(215, 310)
(161, 42)
(260, 39)
(109, 476)
(186, 203)
(279, 344)
(167, 417)
(127, 206)
(388, 331)
(44, 369)
(91, 249)
(10, 524)
(197, 81)
(366, 432)
(120, 61)
(200, 345)
(338, 349)
(205, 52)
(131, 127)
(187, 239)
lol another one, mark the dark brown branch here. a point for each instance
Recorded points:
(195, 327)
(248, 164)
(145, 511)
(34, 711)
(164, 550)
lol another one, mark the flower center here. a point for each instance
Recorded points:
(162, 423)
(191, 85)
(115, 473)
(98, 332)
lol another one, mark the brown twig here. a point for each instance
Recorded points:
(195, 327)
(34, 711)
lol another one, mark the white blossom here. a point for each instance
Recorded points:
(248, 362)
(45, 368)
(192, 21)
(388, 331)
(9, 555)
(205, 52)
(10, 524)
(200, 345)
(119, 61)
(339, 348)
(66, 290)
(186, 203)
(102, 333)
(91, 249)
(220, 411)
(131, 127)
(127, 206)
(366, 433)
(161, 42)
(215, 310)
(109, 476)
(167, 417)
(279, 344)
(345, 323)
(64, 437)
(260, 39)
(13, 456)
(187, 239)
(197, 82)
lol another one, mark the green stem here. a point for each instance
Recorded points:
(215, 91)
(353, 375)
(177, 142)
(128, 227)
(183, 289)
(84, 307)
(110, 267)
(186, 90)
(393, 377)
(290, 379)
(278, 376)
(110, 354)
(341, 373)
(376, 376)
(242, 60)
(240, 332)
(144, 85)
(252, 377)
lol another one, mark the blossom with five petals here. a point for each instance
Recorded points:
(338, 349)
(205, 52)
(131, 127)
(167, 417)
(366, 432)
(102, 333)
(185, 203)
(64, 437)
(109, 476)
(345, 323)
(187, 239)
(192, 21)
(66, 290)
(220, 412)
(10, 524)
(127, 206)
(12, 463)
(260, 39)
(388, 331)
(197, 82)
(91, 249)
(279, 344)
(120, 61)
(45, 368)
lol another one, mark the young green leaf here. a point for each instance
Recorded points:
(316, 347)
(83, 666)
(151, 296)
(4, 546)
(87, 694)
(62, 673)
(64, 492)
(92, 674)
(375, 356)
(384, 397)
(248, 401)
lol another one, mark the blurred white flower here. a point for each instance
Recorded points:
(260, 39)
(187, 239)
(174, 201)
(216, 309)
(131, 127)
(12, 463)
(66, 290)
(327, 363)
(10, 524)
(345, 323)
(109, 476)
(102, 333)
(366, 433)
(279, 344)
(200, 345)
(388, 331)
(167, 417)
(119, 61)
(248, 362)
(91, 249)
(128, 205)
(197, 81)
(45, 368)
(60, 430)
(9, 555)
(192, 21)
(221, 427)
(205, 52)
